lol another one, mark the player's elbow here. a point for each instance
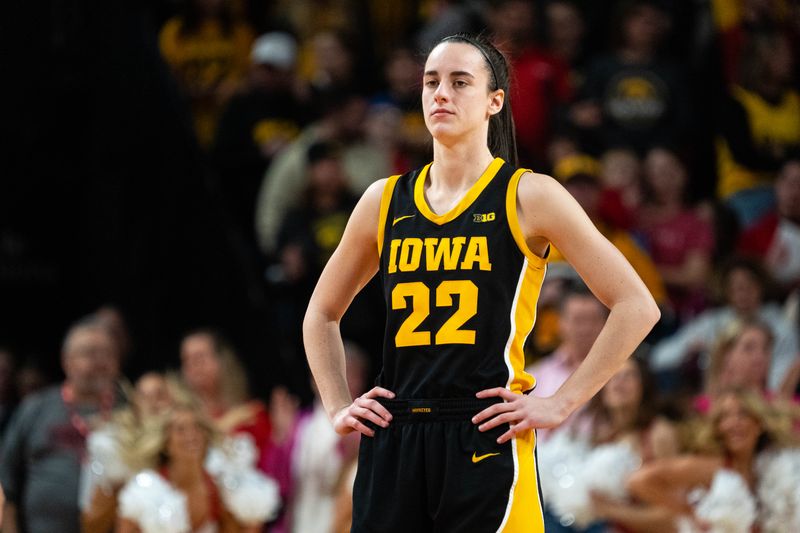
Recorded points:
(651, 313)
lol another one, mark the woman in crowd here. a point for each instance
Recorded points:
(619, 430)
(743, 466)
(212, 371)
(177, 493)
(679, 239)
(744, 283)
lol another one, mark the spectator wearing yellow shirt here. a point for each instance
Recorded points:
(208, 51)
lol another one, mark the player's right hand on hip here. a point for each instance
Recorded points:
(352, 417)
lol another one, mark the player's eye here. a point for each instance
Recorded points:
(431, 83)
(459, 83)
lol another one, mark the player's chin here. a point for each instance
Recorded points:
(444, 132)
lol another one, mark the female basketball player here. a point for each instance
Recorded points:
(461, 247)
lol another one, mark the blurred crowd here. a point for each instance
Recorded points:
(675, 125)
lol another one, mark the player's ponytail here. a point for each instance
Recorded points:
(502, 138)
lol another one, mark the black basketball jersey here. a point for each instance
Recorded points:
(461, 288)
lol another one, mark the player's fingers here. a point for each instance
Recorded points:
(356, 424)
(498, 392)
(515, 430)
(375, 406)
(508, 435)
(491, 411)
(498, 420)
(364, 413)
(374, 392)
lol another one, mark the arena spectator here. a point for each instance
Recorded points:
(402, 73)
(41, 456)
(622, 419)
(582, 316)
(738, 465)
(176, 485)
(213, 372)
(258, 122)
(735, 22)
(448, 17)
(540, 83)
(207, 49)
(321, 457)
(758, 127)
(740, 359)
(744, 284)
(679, 239)
(566, 30)
(775, 237)
(579, 175)
(105, 470)
(621, 176)
(634, 97)
(283, 184)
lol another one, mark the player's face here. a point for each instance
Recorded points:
(737, 428)
(456, 99)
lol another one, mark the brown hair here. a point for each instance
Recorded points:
(502, 139)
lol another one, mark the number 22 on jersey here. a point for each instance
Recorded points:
(420, 295)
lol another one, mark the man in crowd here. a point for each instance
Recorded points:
(581, 319)
(40, 457)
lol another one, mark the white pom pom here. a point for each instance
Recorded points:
(779, 490)
(728, 506)
(235, 454)
(156, 507)
(250, 496)
(608, 467)
(561, 469)
(105, 462)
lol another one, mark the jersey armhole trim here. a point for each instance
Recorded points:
(386, 199)
(513, 222)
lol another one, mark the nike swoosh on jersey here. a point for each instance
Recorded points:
(479, 458)
(398, 219)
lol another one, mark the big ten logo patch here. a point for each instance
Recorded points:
(483, 217)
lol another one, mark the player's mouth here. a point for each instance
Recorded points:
(440, 111)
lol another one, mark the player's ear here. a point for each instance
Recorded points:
(496, 101)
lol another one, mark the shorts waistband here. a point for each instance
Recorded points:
(436, 410)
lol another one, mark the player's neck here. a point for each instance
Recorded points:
(458, 166)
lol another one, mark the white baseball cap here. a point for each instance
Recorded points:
(277, 48)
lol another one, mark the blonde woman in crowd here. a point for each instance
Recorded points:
(212, 371)
(106, 470)
(742, 477)
(184, 485)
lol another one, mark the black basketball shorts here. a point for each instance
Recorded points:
(432, 471)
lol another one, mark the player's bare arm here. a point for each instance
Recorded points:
(548, 213)
(351, 266)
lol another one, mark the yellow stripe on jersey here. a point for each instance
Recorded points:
(524, 318)
(524, 512)
(463, 204)
(386, 199)
(513, 220)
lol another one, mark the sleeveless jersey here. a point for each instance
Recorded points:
(460, 288)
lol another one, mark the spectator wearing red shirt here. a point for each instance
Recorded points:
(679, 238)
(540, 83)
(212, 371)
(776, 236)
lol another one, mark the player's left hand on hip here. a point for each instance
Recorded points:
(521, 412)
